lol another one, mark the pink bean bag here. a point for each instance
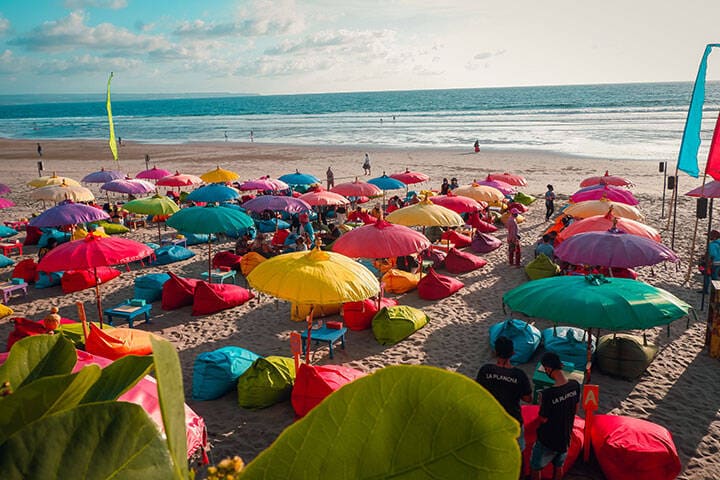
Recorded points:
(76, 280)
(481, 225)
(177, 292)
(531, 422)
(632, 449)
(315, 382)
(460, 240)
(359, 315)
(461, 262)
(434, 286)
(226, 259)
(484, 243)
(214, 297)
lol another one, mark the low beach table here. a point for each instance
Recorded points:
(7, 247)
(8, 288)
(541, 381)
(444, 246)
(174, 241)
(18, 225)
(327, 335)
(129, 312)
(218, 276)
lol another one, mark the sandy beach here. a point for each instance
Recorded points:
(680, 390)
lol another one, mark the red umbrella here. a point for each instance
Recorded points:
(179, 180)
(154, 173)
(356, 189)
(380, 240)
(322, 198)
(602, 191)
(92, 252)
(709, 190)
(602, 223)
(408, 177)
(5, 203)
(457, 203)
(516, 180)
(606, 179)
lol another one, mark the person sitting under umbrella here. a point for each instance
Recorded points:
(712, 265)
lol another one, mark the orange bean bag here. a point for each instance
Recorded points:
(178, 292)
(460, 240)
(315, 382)
(531, 422)
(249, 261)
(399, 281)
(76, 280)
(118, 342)
(461, 262)
(434, 286)
(359, 315)
(209, 298)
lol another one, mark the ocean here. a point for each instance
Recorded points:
(622, 121)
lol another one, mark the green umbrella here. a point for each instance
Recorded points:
(209, 219)
(155, 205)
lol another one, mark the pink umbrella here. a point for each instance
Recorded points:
(323, 198)
(264, 183)
(5, 203)
(179, 180)
(516, 180)
(457, 203)
(4, 189)
(602, 223)
(129, 186)
(600, 191)
(276, 203)
(504, 187)
(380, 240)
(606, 179)
(153, 174)
(357, 188)
(709, 190)
(103, 176)
(409, 178)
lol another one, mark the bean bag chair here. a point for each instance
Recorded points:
(541, 267)
(367, 263)
(210, 298)
(279, 237)
(569, 343)
(632, 449)
(25, 327)
(98, 231)
(32, 235)
(76, 280)
(299, 311)
(26, 269)
(215, 373)
(149, 287)
(393, 324)
(480, 225)
(525, 337)
(399, 281)
(268, 381)
(112, 228)
(517, 205)
(624, 355)
(484, 243)
(78, 234)
(359, 315)
(48, 233)
(116, 343)
(437, 257)
(5, 311)
(171, 254)
(178, 292)
(48, 279)
(5, 261)
(6, 231)
(504, 218)
(531, 422)
(249, 261)
(460, 240)
(462, 262)
(226, 259)
(524, 199)
(434, 286)
(384, 264)
(315, 382)
(152, 245)
(197, 238)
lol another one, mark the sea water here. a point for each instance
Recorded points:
(623, 121)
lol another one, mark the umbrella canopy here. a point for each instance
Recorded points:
(153, 174)
(590, 208)
(606, 179)
(298, 178)
(53, 180)
(602, 191)
(709, 190)
(219, 175)
(128, 186)
(597, 302)
(357, 188)
(602, 223)
(323, 198)
(614, 249)
(264, 183)
(380, 240)
(408, 178)
(58, 193)
(68, 213)
(458, 203)
(215, 192)
(155, 205)
(387, 183)
(276, 203)
(425, 214)
(516, 180)
(504, 187)
(103, 176)
(4, 189)
(481, 193)
(5, 203)
(179, 180)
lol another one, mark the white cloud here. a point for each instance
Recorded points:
(358, 41)
(4, 25)
(111, 4)
(89, 64)
(481, 59)
(9, 63)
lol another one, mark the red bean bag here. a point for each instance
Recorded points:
(214, 297)
(26, 269)
(434, 286)
(279, 237)
(32, 235)
(632, 449)
(315, 382)
(177, 292)
(484, 243)
(226, 259)
(24, 327)
(461, 262)
(460, 240)
(359, 315)
(481, 225)
(76, 280)
(531, 422)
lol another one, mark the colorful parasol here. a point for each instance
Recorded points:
(381, 240)
(276, 203)
(356, 188)
(153, 174)
(103, 176)
(52, 180)
(6, 203)
(298, 178)
(458, 203)
(68, 213)
(601, 191)
(590, 208)
(264, 183)
(602, 223)
(512, 179)
(408, 178)
(215, 192)
(481, 193)
(179, 180)
(128, 186)
(426, 214)
(58, 193)
(219, 175)
(606, 179)
(323, 198)
(161, 205)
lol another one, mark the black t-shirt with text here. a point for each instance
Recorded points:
(558, 405)
(507, 385)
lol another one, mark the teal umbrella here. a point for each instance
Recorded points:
(210, 219)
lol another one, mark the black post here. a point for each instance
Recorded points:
(675, 182)
(708, 260)
(663, 169)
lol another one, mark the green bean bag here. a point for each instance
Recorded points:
(541, 267)
(524, 199)
(392, 324)
(624, 355)
(268, 381)
(113, 228)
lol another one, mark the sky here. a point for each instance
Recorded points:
(315, 46)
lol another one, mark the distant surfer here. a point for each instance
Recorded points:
(226, 137)
(477, 146)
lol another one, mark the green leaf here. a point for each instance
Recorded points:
(43, 397)
(37, 356)
(172, 402)
(109, 440)
(406, 421)
(119, 377)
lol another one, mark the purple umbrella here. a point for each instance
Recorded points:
(504, 187)
(613, 248)
(130, 187)
(598, 192)
(4, 189)
(264, 183)
(103, 176)
(276, 203)
(709, 190)
(5, 203)
(153, 174)
(68, 213)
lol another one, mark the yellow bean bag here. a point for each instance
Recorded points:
(249, 261)
(5, 311)
(400, 281)
(300, 311)
(79, 233)
(519, 219)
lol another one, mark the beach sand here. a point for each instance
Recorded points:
(680, 390)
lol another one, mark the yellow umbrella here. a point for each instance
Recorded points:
(52, 180)
(591, 208)
(426, 214)
(481, 193)
(58, 193)
(219, 175)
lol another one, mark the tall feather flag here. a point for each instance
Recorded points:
(713, 163)
(113, 143)
(687, 159)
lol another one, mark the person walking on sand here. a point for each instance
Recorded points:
(330, 178)
(366, 165)
(549, 202)
(39, 150)
(513, 238)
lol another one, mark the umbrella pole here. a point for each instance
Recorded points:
(97, 297)
(159, 234)
(588, 364)
(309, 332)
(209, 258)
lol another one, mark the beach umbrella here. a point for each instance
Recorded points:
(264, 183)
(153, 173)
(6, 203)
(709, 190)
(321, 198)
(408, 178)
(4, 189)
(92, 252)
(128, 186)
(606, 179)
(211, 219)
(356, 188)
(298, 178)
(590, 208)
(614, 249)
(68, 213)
(381, 240)
(276, 203)
(601, 191)
(52, 180)
(387, 183)
(103, 176)
(58, 193)
(457, 203)
(481, 193)
(215, 192)
(161, 205)
(504, 187)
(512, 179)
(179, 180)
(602, 223)
(219, 175)
(426, 214)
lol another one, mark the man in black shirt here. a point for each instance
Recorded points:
(506, 383)
(558, 405)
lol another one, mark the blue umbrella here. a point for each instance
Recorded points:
(298, 178)
(269, 226)
(215, 192)
(387, 183)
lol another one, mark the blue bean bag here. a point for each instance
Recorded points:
(171, 254)
(152, 245)
(569, 343)
(5, 261)
(46, 280)
(525, 337)
(6, 232)
(197, 238)
(49, 233)
(149, 287)
(215, 373)
(268, 226)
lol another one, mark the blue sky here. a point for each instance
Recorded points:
(285, 46)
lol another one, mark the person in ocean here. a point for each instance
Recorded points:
(366, 165)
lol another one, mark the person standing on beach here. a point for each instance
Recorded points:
(39, 150)
(506, 383)
(366, 165)
(477, 146)
(444, 187)
(712, 265)
(330, 178)
(252, 136)
(558, 406)
(513, 238)
(549, 202)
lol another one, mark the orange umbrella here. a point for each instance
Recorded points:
(601, 223)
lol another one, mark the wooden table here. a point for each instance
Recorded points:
(8, 288)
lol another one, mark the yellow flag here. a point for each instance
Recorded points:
(113, 143)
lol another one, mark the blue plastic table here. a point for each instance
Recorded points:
(220, 276)
(128, 312)
(327, 335)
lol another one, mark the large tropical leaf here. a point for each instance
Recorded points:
(108, 440)
(172, 403)
(119, 377)
(409, 422)
(37, 356)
